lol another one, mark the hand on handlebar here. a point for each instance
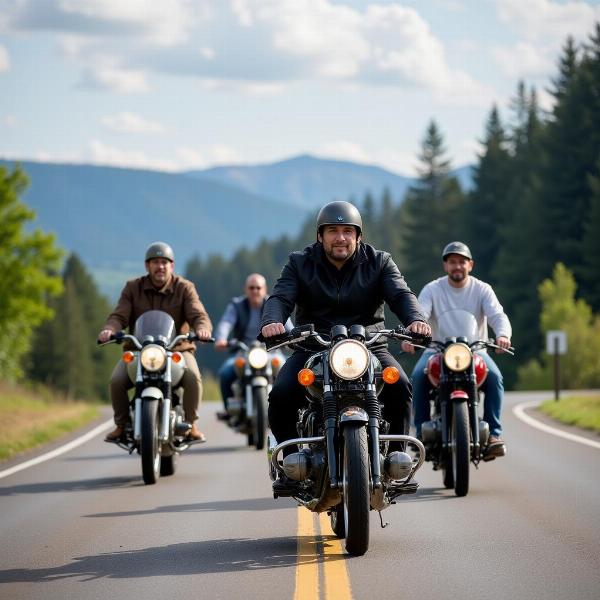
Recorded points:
(221, 344)
(203, 334)
(272, 329)
(504, 344)
(104, 336)
(421, 328)
(407, 347)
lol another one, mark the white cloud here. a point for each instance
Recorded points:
(223, 154)
(524, 60)
(4, 60)
(131, 123)
(107, 74)
(542, 20)
(103, 154)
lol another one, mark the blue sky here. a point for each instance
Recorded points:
(182, 84)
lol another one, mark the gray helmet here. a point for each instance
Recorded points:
(159, 250)
(457, 248)
(339, 213)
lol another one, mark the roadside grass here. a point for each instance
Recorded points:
(210, 388)
(582, 411)
(31, 417)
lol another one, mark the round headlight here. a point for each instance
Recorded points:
(258, 357)
(153, 358)
(349, 359)
(457, 357)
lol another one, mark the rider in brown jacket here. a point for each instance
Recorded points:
(162, 290)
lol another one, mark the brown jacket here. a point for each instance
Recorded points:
(178, 298)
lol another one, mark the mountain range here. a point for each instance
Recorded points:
(109, 215)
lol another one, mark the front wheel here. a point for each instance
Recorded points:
(168, 464)
(149, 447)
(355, 486)
(461, 448)
(259, 425)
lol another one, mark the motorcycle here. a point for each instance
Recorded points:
(342, 465)
(159, 431)
(255, 370)
(456, 435)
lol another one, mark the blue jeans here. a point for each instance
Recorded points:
(226, 378)
(493, 388)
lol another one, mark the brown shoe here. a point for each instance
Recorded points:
(116, 434)
(195, 434)
(496, 446)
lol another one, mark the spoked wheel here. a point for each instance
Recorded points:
(461, 448)
(355, 487)
(337, 520)
(259, 425)
(149, 447)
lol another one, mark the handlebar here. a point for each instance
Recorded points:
(474, 346)
(120, 336)
(307, 332)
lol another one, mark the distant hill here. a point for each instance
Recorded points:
(310, 182)
(110, 215)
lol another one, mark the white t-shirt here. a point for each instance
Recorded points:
(477, 297)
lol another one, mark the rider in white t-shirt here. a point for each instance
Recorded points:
(461, 291)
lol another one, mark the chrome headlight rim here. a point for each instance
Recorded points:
(153, 357)
(258, 358)
(352, 350)
(458, 357)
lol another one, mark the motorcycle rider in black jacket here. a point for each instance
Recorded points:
(339, 280)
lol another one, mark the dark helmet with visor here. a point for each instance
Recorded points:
(457, 248)
(159, 250)
(339, 213)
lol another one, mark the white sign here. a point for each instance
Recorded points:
(556, 340)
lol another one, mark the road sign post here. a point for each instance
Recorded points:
(556, 344)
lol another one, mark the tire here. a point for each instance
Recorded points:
(168, 464)
(259, 424)
(337, 520)
(447, 471)
(149, 446)
(355, 486)
(461, 448)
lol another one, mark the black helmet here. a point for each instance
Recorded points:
(457, 248)
(339, 213)
(159, 250)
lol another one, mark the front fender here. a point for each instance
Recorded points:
(151, 393)
(260, 381)
(353, 414)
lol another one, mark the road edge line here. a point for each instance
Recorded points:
(58, 451)
(519, 412)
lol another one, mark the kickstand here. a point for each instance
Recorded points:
(383, 525)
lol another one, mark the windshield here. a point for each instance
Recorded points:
(457, 323)
(155, 323)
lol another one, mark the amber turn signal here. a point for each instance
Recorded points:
(128, 356)
(306, 377)
(390, 375)
(240, 361)
(275, 362)
(177, 357)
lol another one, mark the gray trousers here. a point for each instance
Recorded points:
(191, 381)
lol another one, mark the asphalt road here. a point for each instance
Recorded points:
(84, 526)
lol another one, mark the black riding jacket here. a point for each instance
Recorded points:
(327, 296)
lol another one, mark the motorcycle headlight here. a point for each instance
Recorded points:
(153, 358)
(457, 357)
(349, 359)
(258, 357)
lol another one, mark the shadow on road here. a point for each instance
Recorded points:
(191, 558)
(257, 504)
(426, 494)
(78, 485)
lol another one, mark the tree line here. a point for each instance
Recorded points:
(534, 204)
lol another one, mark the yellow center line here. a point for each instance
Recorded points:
(307, 568)
(319, 549)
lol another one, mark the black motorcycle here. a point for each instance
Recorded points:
(342, 465)
(255, 370)
(159, 431)
(456, 435)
